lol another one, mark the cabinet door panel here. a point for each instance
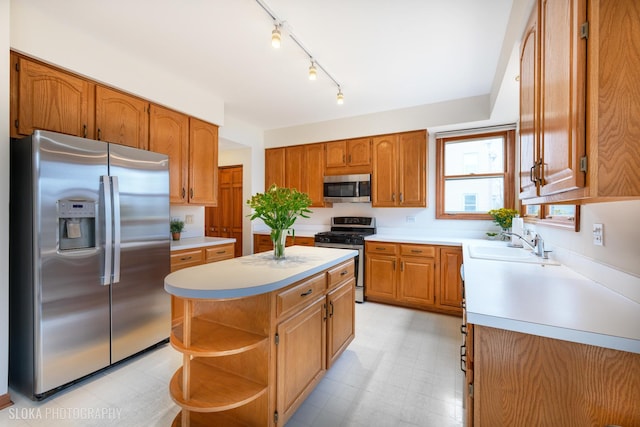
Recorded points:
(336, 154)
(417, 280)
(385, 173)
(203, 163)
(121, 119)
(380, 277)
(412, 167)
(53, 100)
(295, 165)
(359, 152)
(274, 161)
(301, 357)
(315, 173)
(529, 114)
(450, 280)
(169, 134)
(563, 69)
(341, 326)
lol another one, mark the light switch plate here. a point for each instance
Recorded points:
(598, 234)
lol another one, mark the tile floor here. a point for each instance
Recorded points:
(401, 370)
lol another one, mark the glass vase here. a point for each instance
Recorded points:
(279, 239)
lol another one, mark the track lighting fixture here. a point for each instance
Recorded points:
(313, 72)
(276, 37)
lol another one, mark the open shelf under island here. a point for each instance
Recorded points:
(257, 334)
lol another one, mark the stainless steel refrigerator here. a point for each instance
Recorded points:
(89, 250)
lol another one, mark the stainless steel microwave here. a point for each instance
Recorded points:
(347, 188)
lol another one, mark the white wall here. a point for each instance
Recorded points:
(4, 196)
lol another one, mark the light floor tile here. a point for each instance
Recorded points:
(402, 370)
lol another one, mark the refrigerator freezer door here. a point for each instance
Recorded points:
(71, 318)
(141, 309)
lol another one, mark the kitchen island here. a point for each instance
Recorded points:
(258, 334)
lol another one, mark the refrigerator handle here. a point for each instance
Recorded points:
(108, 235)
(116, 229)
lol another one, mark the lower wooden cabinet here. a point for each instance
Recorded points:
(301, 356)
(523, 380)
(184, 258)
(411, 275)
(263, 243)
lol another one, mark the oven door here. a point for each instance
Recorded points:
(359, 265)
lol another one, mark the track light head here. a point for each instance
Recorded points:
(276, 37)
(340, 97)
(313, 72)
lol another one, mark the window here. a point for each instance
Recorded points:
(563, 216)
(475, 174)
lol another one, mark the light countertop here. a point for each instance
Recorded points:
(253, 274)
(553, 301)
(198, 242)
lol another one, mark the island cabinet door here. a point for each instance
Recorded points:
(301, 357)
(340, 320)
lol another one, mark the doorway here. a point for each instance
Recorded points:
(225, 220)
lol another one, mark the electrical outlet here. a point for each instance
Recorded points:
(598, 234)
(411, 219)
(188, 219)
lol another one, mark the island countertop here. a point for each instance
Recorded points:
(253, 274)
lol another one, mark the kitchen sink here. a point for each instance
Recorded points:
(507, 253)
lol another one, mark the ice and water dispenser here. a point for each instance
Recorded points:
(76, 224)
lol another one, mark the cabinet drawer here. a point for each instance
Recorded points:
(263, 239)
(301, 293)
(418, 250)
(340, 273)
(186, 258)
(302, 241)
(219, 253)
(381, 248)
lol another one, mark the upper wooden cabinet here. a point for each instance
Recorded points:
(399, 170)
(579, 108)
(300, 166)
(121, 118)
(203, 163)
(349, 156)
(169, 134)
(49, 99)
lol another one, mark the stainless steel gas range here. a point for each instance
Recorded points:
(348, 232)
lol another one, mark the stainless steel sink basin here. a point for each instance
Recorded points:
(506, 253)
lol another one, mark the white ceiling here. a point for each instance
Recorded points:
(385, 54)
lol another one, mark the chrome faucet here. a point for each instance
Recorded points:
(537, 247)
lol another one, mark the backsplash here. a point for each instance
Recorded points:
(193, 217)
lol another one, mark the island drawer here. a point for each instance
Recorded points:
(340, 273)
(219, 253)
(301, 293)
(418, 250)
